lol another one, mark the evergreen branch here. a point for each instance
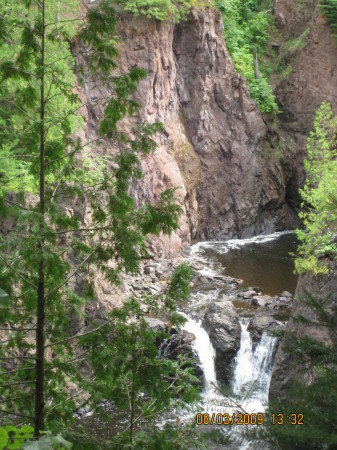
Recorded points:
(75, 336)
(17, 272)
(16, 204)
(64, 21)
(69, 277)
(18, 382)
(75, 359)
(19, 70)
(11, 413)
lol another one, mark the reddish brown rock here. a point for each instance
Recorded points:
(212, 147)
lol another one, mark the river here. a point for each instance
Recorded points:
(264, 262)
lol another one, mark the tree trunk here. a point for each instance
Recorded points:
(40, 338)
(256, 66)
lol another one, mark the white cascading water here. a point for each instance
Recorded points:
(206, 353)
(253, 370)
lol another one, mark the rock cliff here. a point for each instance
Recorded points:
(286, 367)
(312, 56)
(213, 143)
(309, 77)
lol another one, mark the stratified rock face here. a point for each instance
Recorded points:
(286, 368)
(312, 57)
(212, 145)
(223, 326)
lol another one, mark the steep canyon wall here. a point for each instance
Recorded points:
(213, 143)
(312, 56)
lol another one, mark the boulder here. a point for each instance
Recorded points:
(258, 324)
(158, 324)
(262, 300)
(222, 324)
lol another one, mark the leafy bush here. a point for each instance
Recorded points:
(246, 24)
(329, 8)
(319, 194)
(160, 9)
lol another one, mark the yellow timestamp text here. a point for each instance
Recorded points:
(288, 419)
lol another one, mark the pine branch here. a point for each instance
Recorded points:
(64, 21)
(75, 359)
(69, 277)
(11, 413)
(21, 109)
(17, 329)
(18, 383)
(17, 272)
(79, 335)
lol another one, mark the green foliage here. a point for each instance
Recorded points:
(129, 371)
(329, 8)
(49, 442)
(14, 438)
(177, 10)
(316, 400)
(319, 194)
(52, 243)
(246, 30)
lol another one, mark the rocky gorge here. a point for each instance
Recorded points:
(236, 174)
(216, 147)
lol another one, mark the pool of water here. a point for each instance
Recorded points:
(264, 261)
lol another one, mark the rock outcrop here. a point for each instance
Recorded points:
(286, 368)
(212, 147)
(222, 324)
(260, 323)
(308, 49)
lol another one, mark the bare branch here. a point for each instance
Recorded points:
(15, 370)
(75, 359)
(72, 152)
(16, 204)
(19, 70)
(17, 357)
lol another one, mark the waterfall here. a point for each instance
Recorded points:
(206, 353)
(253, 370)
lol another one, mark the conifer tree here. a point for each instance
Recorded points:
(43, 165)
